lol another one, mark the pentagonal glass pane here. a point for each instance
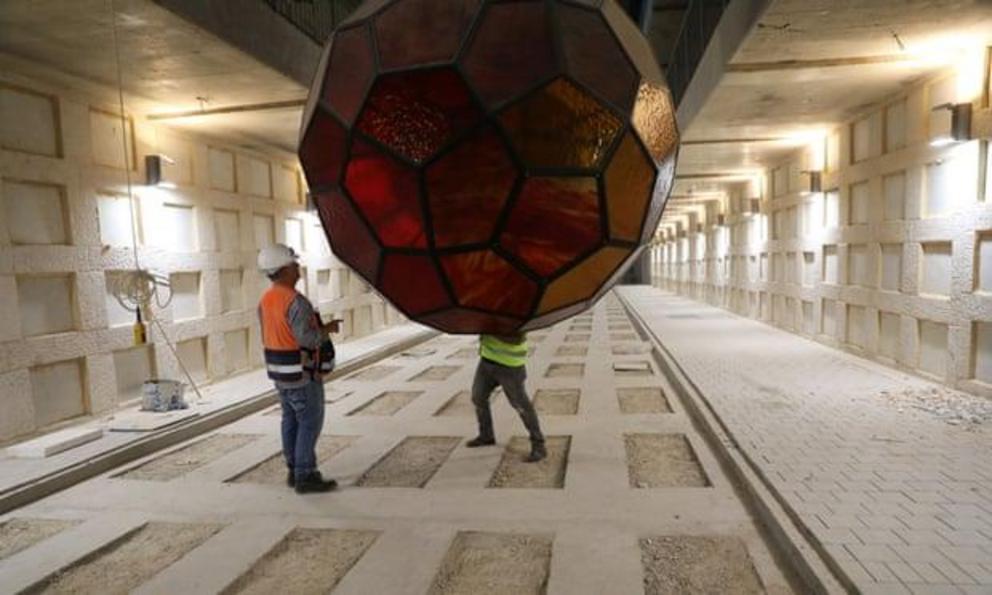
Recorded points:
(416, 113)
(322, 151)
(350, 237)
(654, 120)
(511, 50)
(662, 189)
(412, 283)
(467, 188)
(484, 280)
(629, 184)
(560, 126)
(553, 221)
(581, 282)
(621, 269)
(351, 70)
(387, 193)
(594, 57)
(422, 31)
(460, 320)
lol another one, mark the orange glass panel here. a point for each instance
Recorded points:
(349, 236)
(412, 283)
(415, 32)
(322, 150)
(387, 193)
(560, 126)
(510, 51)
(583, 281)
(467, 188)
(460, 320)
(484, 280)
(594, 57)
(617, 274)
(554, 221)
(654, 120)
(629, 181)
(352, 67)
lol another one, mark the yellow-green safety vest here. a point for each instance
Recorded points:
(511, 355)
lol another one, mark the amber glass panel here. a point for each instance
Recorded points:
(617, 274)
(322, 151)
(594, 57)
(412, 283)
(422, 31)
(387, 193)
(654, 120)
(582, 282)
(553, 317)
(629, 181)
(484, 280)
(461, 321)
(416, 113)
(350, 237)
(350, 72)
(467, 188)
(560, 126)
(511, 50)
(553, 221)
(662, 188)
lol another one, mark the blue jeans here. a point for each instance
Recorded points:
(302, 421)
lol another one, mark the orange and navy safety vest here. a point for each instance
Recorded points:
(285, 359)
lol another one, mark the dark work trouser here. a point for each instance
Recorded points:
(488, 376)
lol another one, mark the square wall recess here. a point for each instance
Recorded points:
(46, 304)
(57, 392)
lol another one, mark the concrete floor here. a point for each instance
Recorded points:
(594, 523)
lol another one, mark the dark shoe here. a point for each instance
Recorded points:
(480, 441)
(291, 479)
(315, 483)
(537, 453)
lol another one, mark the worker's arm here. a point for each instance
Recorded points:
(304, 324)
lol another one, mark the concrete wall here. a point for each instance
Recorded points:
(892, 261)
(65, 235)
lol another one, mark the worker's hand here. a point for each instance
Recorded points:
(333, 326)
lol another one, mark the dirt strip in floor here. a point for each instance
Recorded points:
(411, 464)
(494, 564)
(192, 456)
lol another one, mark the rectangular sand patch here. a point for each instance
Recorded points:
(580, 350)
(387, 403)
(331, 396)
(580, 328)
(513, 472)
(436, 373)
(557, 401)
(460, 405)
(411, 464)
(272, 471)
(305, 561)
(129, 561)
(495, 564)
(662, 461)
(19, 534)
(565, 371)
(691, 564)
(623, 337)
(581, 338)
(626, 369)
(630, 348)
(465, 353)
(642, 400)
(188, 458)
(373, 373)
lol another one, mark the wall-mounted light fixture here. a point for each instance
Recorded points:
(755, 204)
(811, 181)
(153, 170)
(721, 219)
(950, 123)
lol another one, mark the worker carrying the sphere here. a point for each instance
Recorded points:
(298, 352)
(503, 362)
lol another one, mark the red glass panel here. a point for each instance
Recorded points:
(560, 126)
(594, 57)
(412, 283)
(511, 50)
(662, 189)
(484, 280)
(350, 237)
(629, 185)
(322, 151)
(467, 188)
(553, 221)
(387, 193)
(350, 73)
(459, 320)
(416, 113)
(415, 32)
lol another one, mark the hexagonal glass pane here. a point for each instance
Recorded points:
(350, 237)
(553, 221)
(484, 280)
(456, 320)
(322, 151)
(654, 121)
(510, 51)
(629, 184)
(412, 283)
(581, 282)
(594, 58)
(351, 69)
(560, 126)
(467, 188)
(387, 192)
(416, 113)
(416, 32)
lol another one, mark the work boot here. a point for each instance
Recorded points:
(291, 478)
(315, 483)
(480, 441)
(537, 453)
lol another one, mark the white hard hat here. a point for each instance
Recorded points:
(274, 257)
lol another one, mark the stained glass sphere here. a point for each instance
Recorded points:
(489, 166)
